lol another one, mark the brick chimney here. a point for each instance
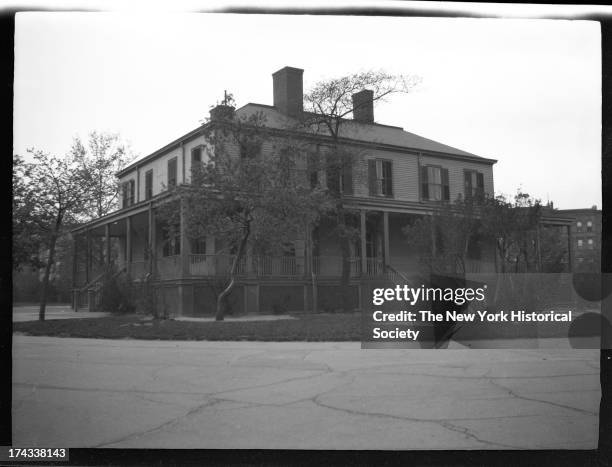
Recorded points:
(289, 91)
(363, 106)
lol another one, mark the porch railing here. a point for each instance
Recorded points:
(279, 266)
(169, 267)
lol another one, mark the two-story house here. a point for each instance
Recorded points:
(407, 176)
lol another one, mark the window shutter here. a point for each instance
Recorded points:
(196, 155)
(467, 180)
(480, 184)
(347, 178)
(333, 177)
(372, 176)
(445, 185)
(424, 183)
(132, 197)
(124, 200)
(172, 172)
(388, 178)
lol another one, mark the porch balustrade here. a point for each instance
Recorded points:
(169, 267)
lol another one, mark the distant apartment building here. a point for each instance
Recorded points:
(585, 231)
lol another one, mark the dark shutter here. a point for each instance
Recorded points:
(196, 155)
(347, 177)
(372, 177)
(149, 184)
(387, 178)
(132, 196)
(172, 172)
(445, 185)
(424, 183)
(467, 178)
(125, 194)
(333, 177)
(480, 184)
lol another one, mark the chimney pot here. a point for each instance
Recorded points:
(289, 91)
(363, 106)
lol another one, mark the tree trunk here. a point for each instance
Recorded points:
(45, 283)
(220, 314)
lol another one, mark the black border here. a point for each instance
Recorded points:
(603, 456)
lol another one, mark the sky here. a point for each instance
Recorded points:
(524, 92)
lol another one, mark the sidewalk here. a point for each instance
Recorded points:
(30, 313)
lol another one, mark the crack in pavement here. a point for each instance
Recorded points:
(160, 427)
(442, 422)
(554, 404)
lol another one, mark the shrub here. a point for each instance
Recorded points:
(115, 294)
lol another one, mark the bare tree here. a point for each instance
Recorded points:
(327, 108)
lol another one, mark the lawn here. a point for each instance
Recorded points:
(318, 327)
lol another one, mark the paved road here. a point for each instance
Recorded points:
(145, 394)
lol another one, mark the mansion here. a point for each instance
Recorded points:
(407, 177)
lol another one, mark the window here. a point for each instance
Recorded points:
(580, 243)
(128, 193)
(380, 175)
(589, 226)
(171, 243)
(590, 243)
(339, 176)
(198, 246)
(196, 159)
(149, 184)
(579, 226)
(313, 167)
(172, 172)
(250, 146)
(473, 183)
(434, 183)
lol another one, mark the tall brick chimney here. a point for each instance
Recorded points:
(363, 106)
(289, 91)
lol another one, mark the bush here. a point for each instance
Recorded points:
(115, 294)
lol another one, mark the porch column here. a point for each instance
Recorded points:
(128, 244)
(569, 249)
(185, 246)
(74, 273)
(364, 264)
(87, 255)
(108, 244)
(151, 239)
(538, 249)
(386, 237)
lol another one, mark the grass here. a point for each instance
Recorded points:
(318, 327)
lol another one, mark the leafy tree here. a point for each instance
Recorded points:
(247, 198)
(100, 158)
(445, 236)
(327, 108)
(55, 192)
(512, 226)
(26, 239)
(52, 194)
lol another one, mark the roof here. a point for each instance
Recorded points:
(366, 132)
(373, 133)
